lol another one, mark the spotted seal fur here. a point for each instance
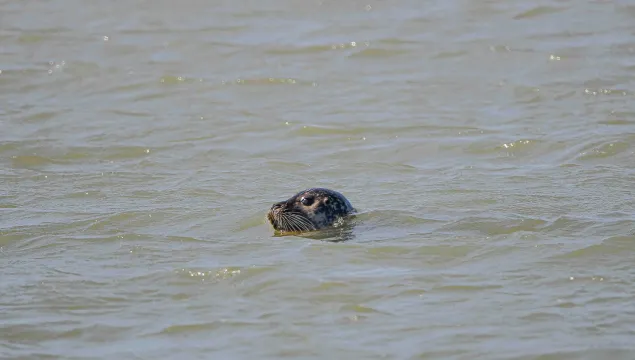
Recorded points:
(309, 210)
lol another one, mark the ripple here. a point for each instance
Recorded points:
(609, 92)
(8, 205)
(378, 53)
(190, 328)
(360, 309)
(464, 288)
(429, 253)
(287, 166)
(619, 118)
(114, 221)
(222, 274)
(31, 162)
(63, 330)
(543, 316)
(319, 130)
(66, 158)
(314, 49)
(567, 225)
(616, 245)
(603, 150)
(125, 152)
(268, 81)
(42, 116)
(518, 144)
(528, 94)
(539, 11)
(328, 286)
(521, 147)
(493, 227)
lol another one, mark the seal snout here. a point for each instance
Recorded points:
(274, 214)
(278, 206)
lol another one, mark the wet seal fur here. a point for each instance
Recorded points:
(309, 210)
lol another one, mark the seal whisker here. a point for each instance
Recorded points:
(287, 226)
(302, 221)
(297, 226)
(294, 221)
(289, 223)
(286, 223)
(302, 224)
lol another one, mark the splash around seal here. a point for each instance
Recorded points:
(309, 210)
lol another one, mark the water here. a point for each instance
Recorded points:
(488, 145)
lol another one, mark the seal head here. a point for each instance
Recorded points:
(309, 210)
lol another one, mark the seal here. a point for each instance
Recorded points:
(309, 210)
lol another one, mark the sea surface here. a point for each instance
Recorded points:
(489, 147)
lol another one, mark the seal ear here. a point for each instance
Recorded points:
(326, 200)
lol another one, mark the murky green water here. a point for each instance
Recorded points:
(489, 147)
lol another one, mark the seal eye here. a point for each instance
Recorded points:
(307, 200)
